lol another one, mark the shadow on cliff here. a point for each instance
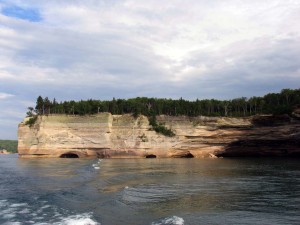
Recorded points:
(272, 136)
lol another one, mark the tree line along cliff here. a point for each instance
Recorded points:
(272, 103)
(132, 128)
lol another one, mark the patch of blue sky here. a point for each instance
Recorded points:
(30, 14)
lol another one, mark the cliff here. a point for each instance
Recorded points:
(120, 136)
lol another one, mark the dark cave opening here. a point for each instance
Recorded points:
(151, 156)
(189, 155)
(69, 155)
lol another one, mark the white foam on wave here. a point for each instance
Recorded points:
(45, 206)
(10, 211)
(24, 211)
(19, 213)
(16, 205)
(174, 220)
(81, 219)
(9, 216)
(7, 212)
(97, 165)
(13, 223)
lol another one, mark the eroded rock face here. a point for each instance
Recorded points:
(123, 136)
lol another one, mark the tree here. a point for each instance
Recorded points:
(287, 93)
(47, 106)
(40, 105)
(30, 112)
(275, 103)
(226, 105)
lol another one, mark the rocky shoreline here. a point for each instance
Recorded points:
(5, 152)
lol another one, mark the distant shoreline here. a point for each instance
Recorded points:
(5, 152)
(8, 146)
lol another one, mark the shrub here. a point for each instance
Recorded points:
(164, 130)
(160, 128)
(143, 138)
(31, 121)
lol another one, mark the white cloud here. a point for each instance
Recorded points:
(113, 48)
(5, 96)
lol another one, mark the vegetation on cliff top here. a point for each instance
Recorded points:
(31, 121)
(9, 145)
(272, 103)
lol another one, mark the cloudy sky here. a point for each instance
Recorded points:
(102, 49)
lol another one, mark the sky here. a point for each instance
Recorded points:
(100, 49)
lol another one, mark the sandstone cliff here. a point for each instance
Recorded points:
(120, 136)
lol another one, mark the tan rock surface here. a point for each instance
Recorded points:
(123, 136)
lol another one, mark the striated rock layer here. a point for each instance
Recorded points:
(122, 136)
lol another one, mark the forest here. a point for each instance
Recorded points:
(9, 145)
(272, 103)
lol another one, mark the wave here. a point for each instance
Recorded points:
(19, 213)
(174, 220)
(41, 214)
(97, 165)
(149, 193)
(81, 219)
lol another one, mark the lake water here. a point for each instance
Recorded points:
(149, 191)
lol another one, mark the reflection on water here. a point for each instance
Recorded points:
(150, 191)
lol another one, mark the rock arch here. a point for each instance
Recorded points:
(69, 155)
(188, 155)
(151, 156)
(182, 154)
